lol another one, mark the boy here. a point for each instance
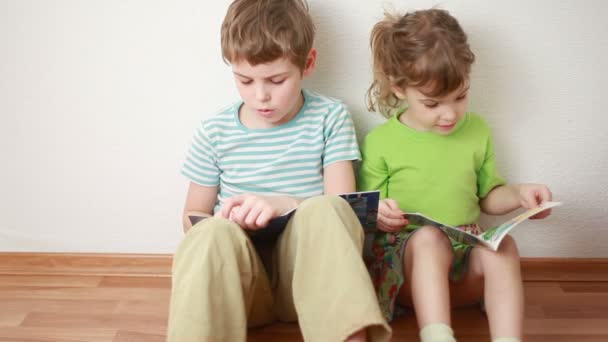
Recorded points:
(279, 148)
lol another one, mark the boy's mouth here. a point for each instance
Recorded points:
(265, 111)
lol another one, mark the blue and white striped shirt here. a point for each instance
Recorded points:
(283, 160)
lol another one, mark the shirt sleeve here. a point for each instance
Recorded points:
(487, 176)
(373, 171)
(340, 136)
(200, 165)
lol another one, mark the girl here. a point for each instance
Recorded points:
(434, 157)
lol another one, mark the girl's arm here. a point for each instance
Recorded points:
(199, 200)
(339, 178)
(500, 200)
(506, 198)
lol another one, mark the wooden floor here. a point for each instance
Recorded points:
(77, 306)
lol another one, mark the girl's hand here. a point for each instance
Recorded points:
(390, 217)
(253, 211)
(532, 195)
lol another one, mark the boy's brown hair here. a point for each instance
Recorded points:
(419, 49)
(261, 31)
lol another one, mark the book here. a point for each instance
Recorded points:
(364, 204)
(490, 238)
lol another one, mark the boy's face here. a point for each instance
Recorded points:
(271, 92)
(437, 115)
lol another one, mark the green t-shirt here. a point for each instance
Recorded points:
(441, 176)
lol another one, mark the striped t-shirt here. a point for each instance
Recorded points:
(284, 160)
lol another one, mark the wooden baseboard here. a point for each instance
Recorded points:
(104, 264)
(564, 269)
(159, 265)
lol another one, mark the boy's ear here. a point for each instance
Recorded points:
(398, 91)
(310, 62)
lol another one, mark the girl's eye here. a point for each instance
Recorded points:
(245, 82)
(462, 97)
(277, 81)
(430, 105)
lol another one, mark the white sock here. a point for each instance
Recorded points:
(437, 332)
(506, 339)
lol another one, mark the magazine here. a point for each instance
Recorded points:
(490, 238)
(364, 204)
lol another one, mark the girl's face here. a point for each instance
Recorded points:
(433, 114)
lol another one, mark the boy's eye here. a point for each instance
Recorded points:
(279, 81)
(245, 81)
(462, 97)
(430, 105)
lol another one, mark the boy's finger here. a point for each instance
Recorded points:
(252, 217)
(226, 208)
(264, 218)
(230, 204)
(241, 212)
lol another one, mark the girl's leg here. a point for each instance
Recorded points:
(426, 261)
(322, 280)
(500, 274)
(219, 285)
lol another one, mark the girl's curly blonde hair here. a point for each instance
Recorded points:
(419, 49)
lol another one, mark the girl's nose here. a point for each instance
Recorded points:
(449, 113)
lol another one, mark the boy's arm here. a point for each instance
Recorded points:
(199, 200)
(339, 178)
(506, 198)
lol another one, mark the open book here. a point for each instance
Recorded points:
(364, 204)
(491, 238)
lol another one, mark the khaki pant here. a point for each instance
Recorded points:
(318, 278)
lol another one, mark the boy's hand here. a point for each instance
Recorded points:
(532, 195)
(390, 217)
(254, 211)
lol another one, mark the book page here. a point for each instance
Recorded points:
(497, 233)
(491, 238)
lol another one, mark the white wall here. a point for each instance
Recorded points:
(98, 101)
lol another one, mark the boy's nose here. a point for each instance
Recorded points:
(261, 94)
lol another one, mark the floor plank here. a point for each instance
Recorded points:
(55, 334)
(130, 336)
(153, 324)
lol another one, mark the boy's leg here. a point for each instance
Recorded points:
(499, 274)
(219, 285)
(321, 278)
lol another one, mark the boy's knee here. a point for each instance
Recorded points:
(321, 202)
(324, 204)
(212, 230)
(320, 207)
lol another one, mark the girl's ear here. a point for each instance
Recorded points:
(399, 92)
(310, 62)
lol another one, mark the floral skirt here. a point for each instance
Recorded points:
(383, 255)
